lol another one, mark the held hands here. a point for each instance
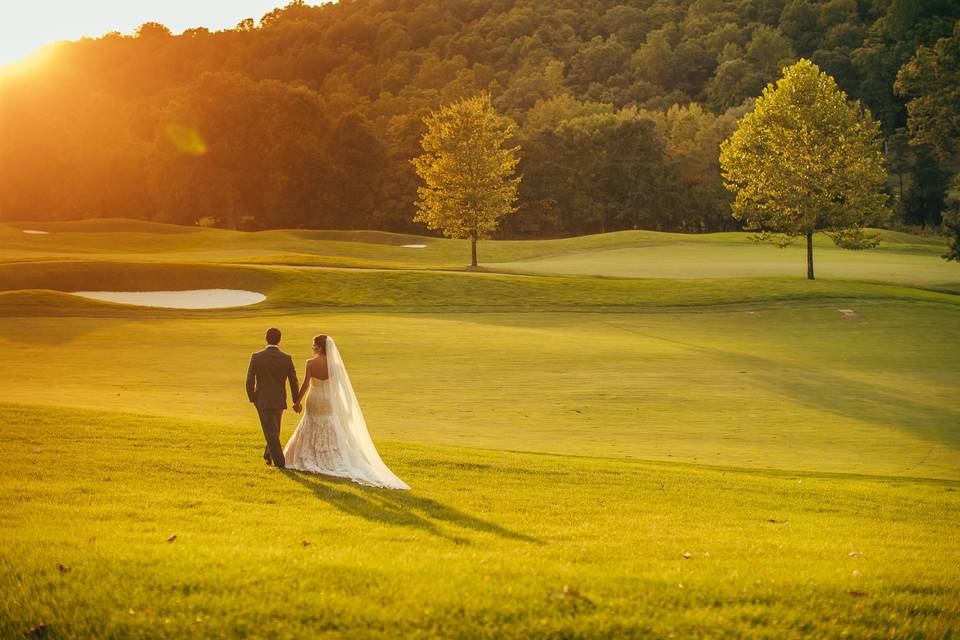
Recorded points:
(297, 407)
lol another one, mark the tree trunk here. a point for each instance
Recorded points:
(810, 255)
(231, 213)
(473, 249)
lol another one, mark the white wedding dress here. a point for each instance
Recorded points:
(332, 437)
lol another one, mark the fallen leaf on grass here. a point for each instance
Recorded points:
(858, 594)
(686, 554)
(92, 540)
(39, 631)
(855, 554)
(63, 568)
(777, 521)
(172, 538)
(306, 543)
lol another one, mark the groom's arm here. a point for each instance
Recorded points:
(251, 382)
(294, 385)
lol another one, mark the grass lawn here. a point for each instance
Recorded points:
(901, 259)
(488, 544)
(794, 385)
(570, 431)
(704, 260)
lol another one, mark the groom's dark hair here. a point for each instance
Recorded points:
(273, 336)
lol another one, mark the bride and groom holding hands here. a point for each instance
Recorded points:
(332, 437)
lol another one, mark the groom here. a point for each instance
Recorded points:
(268, 371)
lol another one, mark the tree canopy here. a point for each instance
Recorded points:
(468, 171)
(805, 160)
(635, 94)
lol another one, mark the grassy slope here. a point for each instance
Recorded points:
(902, 258)
(488, 545)
(292, 287)
(759, 373)
(704, 260)
(792, 385)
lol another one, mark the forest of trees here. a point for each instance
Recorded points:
(309, 116)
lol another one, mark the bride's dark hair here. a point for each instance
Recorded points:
(320, 342)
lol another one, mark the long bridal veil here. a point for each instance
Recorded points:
(361, 455)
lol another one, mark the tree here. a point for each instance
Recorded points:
(951, 224)
(923, 198)
(805, 160)
(467, 169)
(799, 21)
(153, 30)
(932, 79)
(743, 77)
(233, 148)
(953, 240)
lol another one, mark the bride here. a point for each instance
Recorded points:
(332, 437)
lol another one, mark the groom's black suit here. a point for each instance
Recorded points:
(267, 374)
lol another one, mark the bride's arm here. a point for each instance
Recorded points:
(305, 384)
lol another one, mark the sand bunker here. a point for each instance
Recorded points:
(191, 299)
(414, 246)
(35, 232)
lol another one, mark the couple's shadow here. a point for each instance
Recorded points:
(399, 508)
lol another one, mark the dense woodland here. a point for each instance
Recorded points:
(309, 116)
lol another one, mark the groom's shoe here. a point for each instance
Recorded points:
(268, 461)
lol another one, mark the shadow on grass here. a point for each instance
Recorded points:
(399, 508)
(824, 390)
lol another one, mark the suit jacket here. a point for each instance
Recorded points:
(268, 371)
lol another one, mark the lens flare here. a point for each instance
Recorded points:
(186, 139)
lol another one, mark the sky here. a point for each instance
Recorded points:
(27, 25)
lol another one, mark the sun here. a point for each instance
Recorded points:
(28, 27)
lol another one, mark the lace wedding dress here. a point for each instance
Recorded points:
(332, 437)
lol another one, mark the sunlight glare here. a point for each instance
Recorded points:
(27, 27)
(186, 139)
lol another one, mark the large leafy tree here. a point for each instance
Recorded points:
(468, 170)
(235, 149)
(805, 161)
